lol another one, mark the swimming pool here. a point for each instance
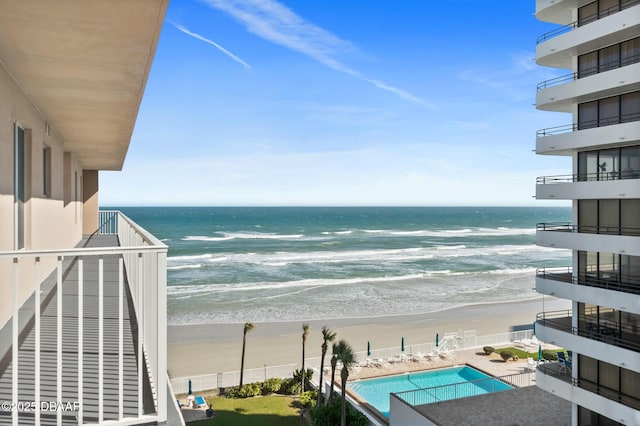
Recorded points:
(376, 391)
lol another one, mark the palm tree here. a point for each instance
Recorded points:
(334, 363)
(248, 326)
(305, 333)
(347, 357)
(327, 336)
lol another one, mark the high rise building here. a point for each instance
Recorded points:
(598, 44)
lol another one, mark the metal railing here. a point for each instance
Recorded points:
(602, 330)
(591, 124)
(467, 340)
(586, 20)
(588, 177)
(621, 62)
(553, 369)
(588, 229)
(470, 388)
(566, 275)
(105, 276)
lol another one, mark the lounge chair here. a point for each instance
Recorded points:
(531, 364)
(199, 402)
(563, 362)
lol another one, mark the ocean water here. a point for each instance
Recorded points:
(237, 264)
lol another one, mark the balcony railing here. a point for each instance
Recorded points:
(92, 331)
(587, 229)
(621, 62)
(553, 369)
(591, 124)
(565, 275)
(605, 330)
(586, 20)
(589, 177)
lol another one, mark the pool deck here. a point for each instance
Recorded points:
(522, 406)
(490, 364)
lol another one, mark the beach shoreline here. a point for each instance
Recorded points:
(213, 348)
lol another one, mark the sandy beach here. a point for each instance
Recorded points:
(214, 348)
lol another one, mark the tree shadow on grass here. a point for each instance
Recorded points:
(239, 417)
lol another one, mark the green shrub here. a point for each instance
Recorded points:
(549, 355)
(506, 355)
(488, 350)
(308, 374)
(271, 385)
(246, 391)
(290, 387)
(308, 399)
(326, 415)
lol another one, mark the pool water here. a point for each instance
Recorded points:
(376, 391)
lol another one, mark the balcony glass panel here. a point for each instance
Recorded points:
(588, 216)
(588, 13)
(587, 64)
(609, 216)
(607, 7)
(630, 107)
(630, 162)
(630, 213)
(630, 269)
(588, 115)
(609, 57)
(630, 51)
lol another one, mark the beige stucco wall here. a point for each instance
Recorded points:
(49, 222)
(90, 201)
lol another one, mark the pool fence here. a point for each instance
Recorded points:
(450, 341)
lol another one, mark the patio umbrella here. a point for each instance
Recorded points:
(437, 339)
(539, 352)
(368, 348)
(190, 390)
(402, 344)
(534, 328)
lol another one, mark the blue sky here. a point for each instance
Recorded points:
(359, 102)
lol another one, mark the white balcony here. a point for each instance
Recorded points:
(614, 343)
(566, 236)
(564, 97)
(559, 282)
(556, 11)
(559, 51)
(569, 188)
(584, 394)
(105, 301)
(565, 140)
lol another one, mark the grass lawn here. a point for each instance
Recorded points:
(272, 410)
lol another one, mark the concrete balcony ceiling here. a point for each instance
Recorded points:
(84, 65)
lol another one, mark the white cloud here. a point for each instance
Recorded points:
(213, 43)
(278, 24)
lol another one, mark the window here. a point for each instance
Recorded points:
(611, 57)
(630, 107)
(46, 171)
(608, 111)
(619, 217)
(19, 186)
(587, 115)
(630, 51)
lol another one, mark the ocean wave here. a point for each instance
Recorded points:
(180, 267)
(227, 236)
(450, 233)
(181, 290)
(370, 256)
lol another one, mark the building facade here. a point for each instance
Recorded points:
(598, 44)
(83, 306)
